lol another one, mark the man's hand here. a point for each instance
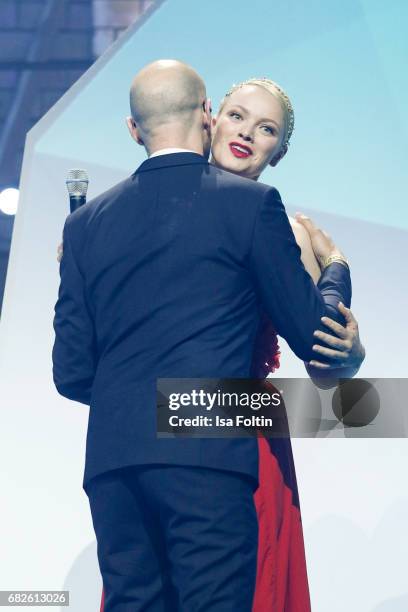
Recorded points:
(322, 244)
(59, 252)
(347, 352)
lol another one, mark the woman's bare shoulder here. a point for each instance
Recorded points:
(301, 235)
(307, 254)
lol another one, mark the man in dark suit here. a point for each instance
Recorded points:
(165, 275)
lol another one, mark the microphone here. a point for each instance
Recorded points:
(77, 185)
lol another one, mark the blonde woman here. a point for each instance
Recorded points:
(251, 132)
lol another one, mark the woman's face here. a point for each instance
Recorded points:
(248, 132)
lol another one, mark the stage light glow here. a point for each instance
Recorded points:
(9, 201)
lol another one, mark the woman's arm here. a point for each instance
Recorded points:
(347, 352)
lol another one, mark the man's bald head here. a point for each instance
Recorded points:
(166, 91)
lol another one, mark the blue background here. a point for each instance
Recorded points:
(342, 63)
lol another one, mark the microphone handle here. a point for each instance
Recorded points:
(76, 201)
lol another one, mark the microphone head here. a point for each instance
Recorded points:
(77, 182)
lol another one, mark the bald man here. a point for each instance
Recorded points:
(168, 104)
(164, 276)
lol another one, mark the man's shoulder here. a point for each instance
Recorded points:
(85, 214)
(246, 190)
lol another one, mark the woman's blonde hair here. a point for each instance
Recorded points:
(276, 91)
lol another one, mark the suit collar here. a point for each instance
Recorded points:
(170, 159)
(170, 150)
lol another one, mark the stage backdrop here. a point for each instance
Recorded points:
(343, 64)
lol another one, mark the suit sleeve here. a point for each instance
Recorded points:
(286, 290)
(74, 352)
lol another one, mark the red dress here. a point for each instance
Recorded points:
(281, 581)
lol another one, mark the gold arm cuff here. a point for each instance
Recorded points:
(335, 259)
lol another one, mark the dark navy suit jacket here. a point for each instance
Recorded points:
(165, 275)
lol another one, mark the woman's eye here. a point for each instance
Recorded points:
(268, 130)
(235, 115)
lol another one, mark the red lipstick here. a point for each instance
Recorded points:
(240, 150)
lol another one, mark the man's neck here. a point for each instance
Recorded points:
(176, 137)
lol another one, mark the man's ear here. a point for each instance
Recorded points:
(134, 130)
(207, 108)
(275, 160)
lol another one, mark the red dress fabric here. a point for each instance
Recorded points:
(281, 581)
